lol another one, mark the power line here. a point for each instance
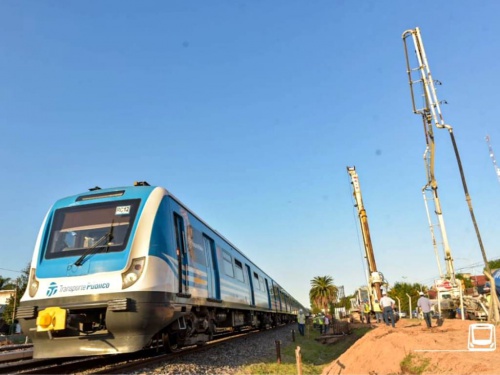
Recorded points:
(6, 269)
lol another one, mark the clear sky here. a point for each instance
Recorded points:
(250, 112)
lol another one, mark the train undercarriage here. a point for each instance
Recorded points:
(123, 326)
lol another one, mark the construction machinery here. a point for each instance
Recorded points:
(375, 279)
(419, 76)
(492, 156)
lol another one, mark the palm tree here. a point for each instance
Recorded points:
(5, 283)
(323, 291)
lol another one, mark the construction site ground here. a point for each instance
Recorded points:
(436, 350)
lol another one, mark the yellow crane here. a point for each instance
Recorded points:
(375, 278)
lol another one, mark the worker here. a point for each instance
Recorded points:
(367, 310)
(321, 322)
(315, 321)
(326, 324)
(378, 311)
(425, 305)
(301, 321)
(488, 296)
(387, 304)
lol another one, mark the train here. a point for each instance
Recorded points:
(117, 270)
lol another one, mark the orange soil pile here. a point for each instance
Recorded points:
(382, 350)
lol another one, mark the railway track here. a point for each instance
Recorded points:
(115, 364)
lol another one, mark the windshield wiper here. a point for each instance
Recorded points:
(105, 239)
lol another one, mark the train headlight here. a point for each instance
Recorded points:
(33, 283)
(132, 274)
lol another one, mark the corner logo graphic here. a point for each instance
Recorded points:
(52, 289)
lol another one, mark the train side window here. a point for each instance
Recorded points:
(256, 282)
(196, 244)
(239, 270)
(262, 284)
(228, 263)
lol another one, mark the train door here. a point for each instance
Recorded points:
(180, 238)
(212, 268)
(278, 294)
(275, 296)
(252, 294)
(268, 294)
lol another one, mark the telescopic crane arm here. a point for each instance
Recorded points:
(431, 114)
(376, 279)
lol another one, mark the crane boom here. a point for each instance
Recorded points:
(376, 279)
(431, 116)
(492, 156)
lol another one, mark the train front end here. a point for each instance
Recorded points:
(88, 293)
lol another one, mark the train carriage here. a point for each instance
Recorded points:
(116, 270)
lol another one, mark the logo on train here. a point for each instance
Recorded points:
(52, 289)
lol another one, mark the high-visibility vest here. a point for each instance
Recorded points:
(301, 318)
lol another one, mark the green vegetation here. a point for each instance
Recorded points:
(400, 290)
(494, 264)
(315, 356)
(19, 284)
(466, 281)
(323, 293)
(414, 364)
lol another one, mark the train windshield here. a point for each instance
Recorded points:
(102, 227)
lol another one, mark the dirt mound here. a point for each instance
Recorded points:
(438, 350)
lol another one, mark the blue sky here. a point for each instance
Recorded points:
(249, 112)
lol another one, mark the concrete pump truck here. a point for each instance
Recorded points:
(449, 290)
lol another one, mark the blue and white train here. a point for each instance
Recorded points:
(117, 270)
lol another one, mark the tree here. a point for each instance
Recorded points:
(400, 290)
(494, 264)
(5, 283)
(323, 292)
(466, 280)
(19, 285)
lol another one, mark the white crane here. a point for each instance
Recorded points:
(492, 156)
(431, 116)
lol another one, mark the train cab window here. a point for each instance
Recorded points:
(103, 226)
(228, 263)
(238, 270)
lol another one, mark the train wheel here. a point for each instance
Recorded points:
(170, 343)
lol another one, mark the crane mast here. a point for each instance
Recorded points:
(376, 279)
